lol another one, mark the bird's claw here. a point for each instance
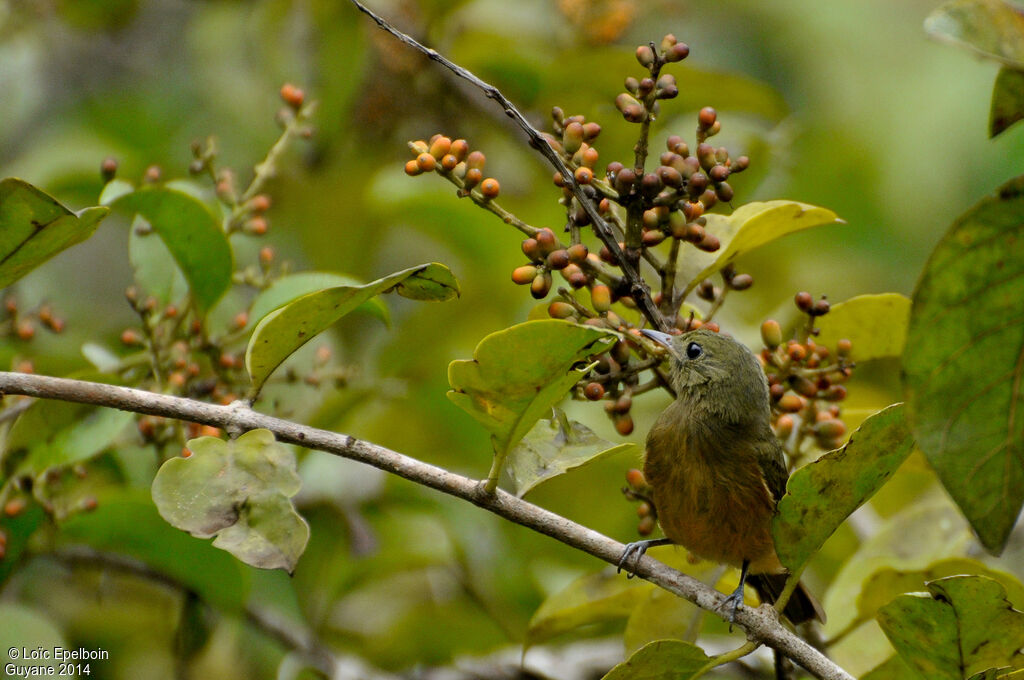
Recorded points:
(736, 601)
(637, 548)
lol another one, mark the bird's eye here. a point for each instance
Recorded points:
(693, 350)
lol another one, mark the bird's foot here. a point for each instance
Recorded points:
(733, 603)
(635, 551)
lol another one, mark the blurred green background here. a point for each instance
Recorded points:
(843, 104)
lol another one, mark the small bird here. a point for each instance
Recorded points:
(717, 470)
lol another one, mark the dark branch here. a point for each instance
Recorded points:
(637, 287)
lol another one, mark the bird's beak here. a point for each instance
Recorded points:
(663, 339)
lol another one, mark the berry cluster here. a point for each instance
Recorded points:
(649, 212)
(21, 324)
(805, 381)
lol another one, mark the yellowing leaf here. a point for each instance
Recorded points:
(965, 626)
(993, 28)
(820, 496)
(962, 367)
(875, 324)
(753, 225)
(554, 447)
(517, 374)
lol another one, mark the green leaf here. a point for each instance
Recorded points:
(992, 28)
(591, 598)
(751, 226)
(661, 660)
(191, 232)
(27, 628)
(964, 362)
(155, 271)
(517, 374)
(289, 327)
(554, 447)
(875, 324)
(238, 491)
(966, 626)
(61, 433)
(289, 288)
(128, 524)
(34, 227)
(1007, 100)
(820, 496)
(894, 668)
(887, 583)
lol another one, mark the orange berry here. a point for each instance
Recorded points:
(593, 391)
(26, 331)
(259, 203)
(561, 310)
(227, 360)
(645, 527)
(584, 175)
(791, 403)
(89, 503)
(624, 425)
(771, 334)
(176, 379)
(266, 255)
(241, 320)
(412, 168)
(448, 162)
(257, 226)
(186, 453)
(577, 253)
(130, 337)
(15, 506)
(459, 149)
(426, 162)
(490, 188)
(292, 96)
(25, 366)
(524, 275)
(209, 431)
(601, 297)
(635, 478)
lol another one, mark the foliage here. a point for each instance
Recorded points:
(263, 290)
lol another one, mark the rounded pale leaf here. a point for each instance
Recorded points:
(239, 491)
(751, 226)
(964, 363)
(820, 496)
(661, 660)
(965, 627)
(875, 324)
(993, 28)
(289, 327)
(34, 227)
(191, 232)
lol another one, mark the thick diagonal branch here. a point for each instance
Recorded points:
(761, 624)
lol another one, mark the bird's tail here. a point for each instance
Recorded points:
(801, 606)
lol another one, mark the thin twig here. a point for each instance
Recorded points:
(761, 624)
(638, 289)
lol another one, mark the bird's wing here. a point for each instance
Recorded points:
(773, 465)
